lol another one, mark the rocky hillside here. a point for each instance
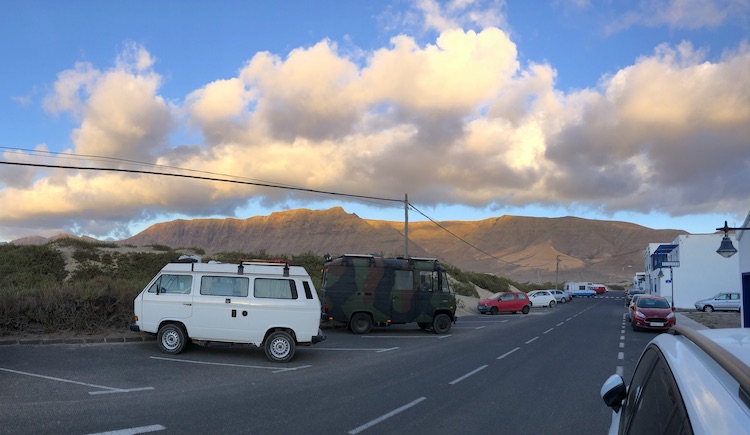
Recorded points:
(521, 248)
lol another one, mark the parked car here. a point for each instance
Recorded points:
(599, 289)
(629, 295)
(561, 296)
(727, 301)
(584, 293)
(505, 302)
(542, 298)
(687, 381)
(632, 303)
(651, 312)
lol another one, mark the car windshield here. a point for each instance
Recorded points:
(652, 303)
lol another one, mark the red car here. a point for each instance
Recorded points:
(599, 289)
(505, 302)
(651, 312)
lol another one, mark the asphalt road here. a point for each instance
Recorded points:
(535, 373)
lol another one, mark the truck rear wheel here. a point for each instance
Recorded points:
(360, 323)
(280, 346)
(441, 324)
(171, 338)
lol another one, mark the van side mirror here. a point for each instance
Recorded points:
(613, 392)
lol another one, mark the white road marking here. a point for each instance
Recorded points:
(475, 371)
(385, 416)
(549, 330)
(620, 355)
(532, 339)
(50, 378)
(189, 361)
(619, 370)
(508, 353)
(134, 430)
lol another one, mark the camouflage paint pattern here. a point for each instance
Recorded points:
(391, 290)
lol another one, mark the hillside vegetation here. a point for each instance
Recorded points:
(83, 287)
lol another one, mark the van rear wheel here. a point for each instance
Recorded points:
(280, 346)
(441, 324)
(360, 323)
(171, 338)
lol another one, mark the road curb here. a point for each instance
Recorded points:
(11, 341)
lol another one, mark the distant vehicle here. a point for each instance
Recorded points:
(629, 295)
(687, 381)
(561, 296)
(580, 289)
(651, 312)
(599, 289)
(368, 290)
(542, 298)
(266, 304)
(505, 302)
(727, 301)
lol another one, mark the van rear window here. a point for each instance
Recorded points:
(275, 288)
(224, 286)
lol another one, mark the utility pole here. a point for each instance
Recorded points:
(406, 225)
(557, 270)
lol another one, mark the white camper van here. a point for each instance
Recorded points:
(268, 304)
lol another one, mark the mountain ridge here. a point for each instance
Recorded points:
(518, 247)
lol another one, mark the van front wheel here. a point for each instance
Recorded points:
(280, 347)
(441, 324)
(171, 338)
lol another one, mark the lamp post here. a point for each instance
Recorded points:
(727, 249)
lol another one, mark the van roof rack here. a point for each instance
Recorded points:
(262, 261)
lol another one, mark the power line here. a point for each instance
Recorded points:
(197, 177)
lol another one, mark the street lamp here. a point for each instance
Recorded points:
(727, 249)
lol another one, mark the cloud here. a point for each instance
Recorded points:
(682, 14)
(458, 120)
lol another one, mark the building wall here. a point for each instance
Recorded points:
(702, 272)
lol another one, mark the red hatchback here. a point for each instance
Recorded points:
(651, 312)
(505, 302)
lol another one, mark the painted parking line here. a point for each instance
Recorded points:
(106, 389)
(274, 369)
(133, 430)
(353, 349)
(473, 372)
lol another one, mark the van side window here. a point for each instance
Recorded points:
(179, 284)
(308, 292)
(224, 286)
(403, 280)
(275, 288)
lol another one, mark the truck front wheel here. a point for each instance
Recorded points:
(441, 324)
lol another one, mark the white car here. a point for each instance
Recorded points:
(542, 298)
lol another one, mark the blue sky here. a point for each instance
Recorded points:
(614, 110)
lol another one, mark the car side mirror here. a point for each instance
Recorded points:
(613, 392)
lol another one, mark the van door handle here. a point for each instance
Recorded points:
(188, 304)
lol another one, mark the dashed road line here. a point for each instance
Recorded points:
(508, 353)
(473, 372)
(133, 430)
(385, 417)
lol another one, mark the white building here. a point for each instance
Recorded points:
(743, 252)
(691, 269)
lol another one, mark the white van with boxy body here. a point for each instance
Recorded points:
(266, 304)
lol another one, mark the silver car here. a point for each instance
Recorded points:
(561, 296)
(727, 301)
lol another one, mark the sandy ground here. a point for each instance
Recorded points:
(716, 320)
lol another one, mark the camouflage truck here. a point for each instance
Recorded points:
(367, 290)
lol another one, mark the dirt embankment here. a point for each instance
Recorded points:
(716, 320)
